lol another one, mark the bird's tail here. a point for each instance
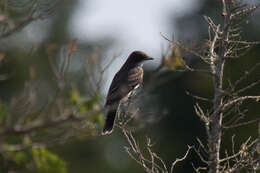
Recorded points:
(110, 119)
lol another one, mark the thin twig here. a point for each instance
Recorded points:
(242, 124)
(180, 159)
(239, 99)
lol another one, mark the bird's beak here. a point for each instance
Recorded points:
(149, 58)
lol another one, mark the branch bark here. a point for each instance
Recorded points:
(215, 132)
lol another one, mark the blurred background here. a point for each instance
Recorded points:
(106, 29)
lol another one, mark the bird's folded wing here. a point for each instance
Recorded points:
(116, 91)
(122, 84)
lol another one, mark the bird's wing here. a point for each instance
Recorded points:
(122, 84)
(114, 92)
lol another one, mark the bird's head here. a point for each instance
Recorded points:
(138, 57)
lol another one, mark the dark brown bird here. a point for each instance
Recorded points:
(126, 80)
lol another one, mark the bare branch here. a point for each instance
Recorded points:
(185, 48)
(245, 11)
(42, 124)
(198, 97)
(248, 86)
(197, 70)
(242, 124)
(181, 159)
(240, 99)
(20, 147)
(212, 25)
(201, 114)
(246, 74)
(212, 52)
(19, 25)
(197, 170)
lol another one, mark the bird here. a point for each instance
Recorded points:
(125, 81)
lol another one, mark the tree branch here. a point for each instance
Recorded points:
(43, 124)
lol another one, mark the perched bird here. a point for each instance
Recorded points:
(126, 80)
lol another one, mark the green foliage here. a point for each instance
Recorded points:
(3, 111)
(47, 162)
(85, 105)
(75, 98)
(99, 119)
(20, 158)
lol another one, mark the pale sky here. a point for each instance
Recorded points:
(135, 24)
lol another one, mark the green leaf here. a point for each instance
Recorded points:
(47, 162)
